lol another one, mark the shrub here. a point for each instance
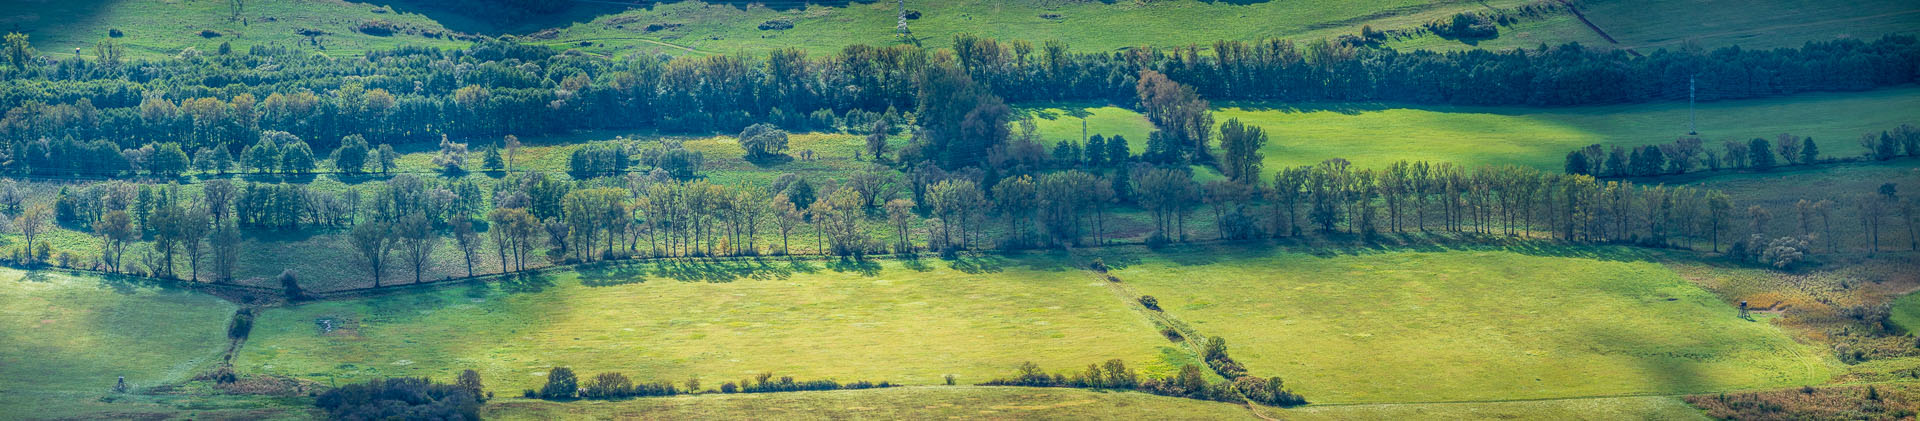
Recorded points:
(607, 386)
(776, 25)
(401, 398)
(242, 324)
(1172, 335)
(1150, 303)
(209, 33)
(1465, 26)
(1270, 391)
(561, 384)
(378, 28)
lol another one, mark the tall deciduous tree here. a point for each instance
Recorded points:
(1240, 144)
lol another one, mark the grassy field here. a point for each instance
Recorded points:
(823, 27)
(1644, 24)
(907, 323)
(1424, 326)
(897, 403)
(1630, 408)
(164, 27)
(1648, 25)
(69, 338)
(1374, 135)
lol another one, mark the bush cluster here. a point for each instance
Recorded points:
(400, 398)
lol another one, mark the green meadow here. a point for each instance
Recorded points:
(1471, 325)
(697, 27)
(905, 322)
(153, 28)
(69, 338)
(1626, 408)
(1672, 24)
(1374, 135)
(894, 403)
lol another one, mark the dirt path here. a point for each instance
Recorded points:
(1596, 28)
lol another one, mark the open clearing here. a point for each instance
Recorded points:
(1471, 325)
(723, 322)
(1374, 135)
(68, 338)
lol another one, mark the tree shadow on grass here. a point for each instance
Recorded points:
(720, 271)
(525, 283)
(915, 263)
(975, 265)
(611, 274)
(863, 266)
(803, 266)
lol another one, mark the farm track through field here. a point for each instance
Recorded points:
(1596, 28)
(1188, 336)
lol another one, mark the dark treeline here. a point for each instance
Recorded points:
(1189, 383)
(563, 384)
(405, 398)
(1690, 154)
(532, 219)
(221, 102)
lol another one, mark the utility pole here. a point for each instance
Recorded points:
(903, 20)
(1692, 129)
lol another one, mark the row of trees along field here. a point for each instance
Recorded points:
(60, 108)
(1689, 154)
(532, 219)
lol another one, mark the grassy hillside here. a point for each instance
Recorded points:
(165, 27)
(906, 322)
(1644, 24)
(69, 338)
(898, 403)
(1471, 325)
(1632, 408)
(822, 27)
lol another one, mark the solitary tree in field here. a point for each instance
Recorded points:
(467, 239)
(1242, 144)
(32, 222)
(452, 157)
(194, 224)
(900, 212)
(373, 242)
(786, 217)
(225, 240)
(763, 141)
(513, 150)
(877, 140)
(115, 230)
(351, 156)
(1760, 154)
